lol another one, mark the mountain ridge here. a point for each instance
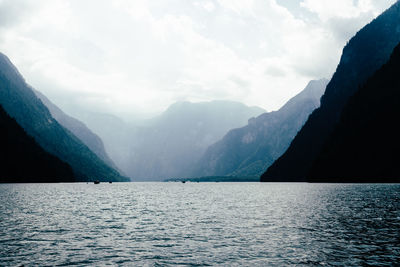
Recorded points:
(21, 103)
(78, 128)
(248, 150)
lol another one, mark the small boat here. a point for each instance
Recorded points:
(96, 182)
(183, 182)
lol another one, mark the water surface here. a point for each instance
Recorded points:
(228, 224)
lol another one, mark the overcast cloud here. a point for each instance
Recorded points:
(137, 57)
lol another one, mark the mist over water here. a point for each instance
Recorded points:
(227, 224)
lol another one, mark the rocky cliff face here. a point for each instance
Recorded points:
(249, 150)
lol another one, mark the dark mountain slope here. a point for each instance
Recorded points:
(23, 160)
(21, 103)
(249, 150)
(366, 52)
(365, 145)
(78, 128)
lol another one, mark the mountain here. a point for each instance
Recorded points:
(115, 133)
(78, 128)
(365, 53)
(171, 144)
(249, 150)
(21, 103)
(23, 160)
(365, 144)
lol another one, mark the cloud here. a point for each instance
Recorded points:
(327, 9)
(343, 18)
(206, 5)
(127, 57)
(12, 12)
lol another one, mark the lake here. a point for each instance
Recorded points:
(199, 224)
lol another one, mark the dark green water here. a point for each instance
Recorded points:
(228, 224)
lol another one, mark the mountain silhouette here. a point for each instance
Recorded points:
(21, 103)
(365, 144)
(23, 160)
(365, 53)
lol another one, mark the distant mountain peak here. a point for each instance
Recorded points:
(220, 104)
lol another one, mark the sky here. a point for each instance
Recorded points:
(134, 58)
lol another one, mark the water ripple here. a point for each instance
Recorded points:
(199, 224)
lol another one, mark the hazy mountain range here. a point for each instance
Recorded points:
(185, 140)
(115, 134)
(170, 144)
(348, 135)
